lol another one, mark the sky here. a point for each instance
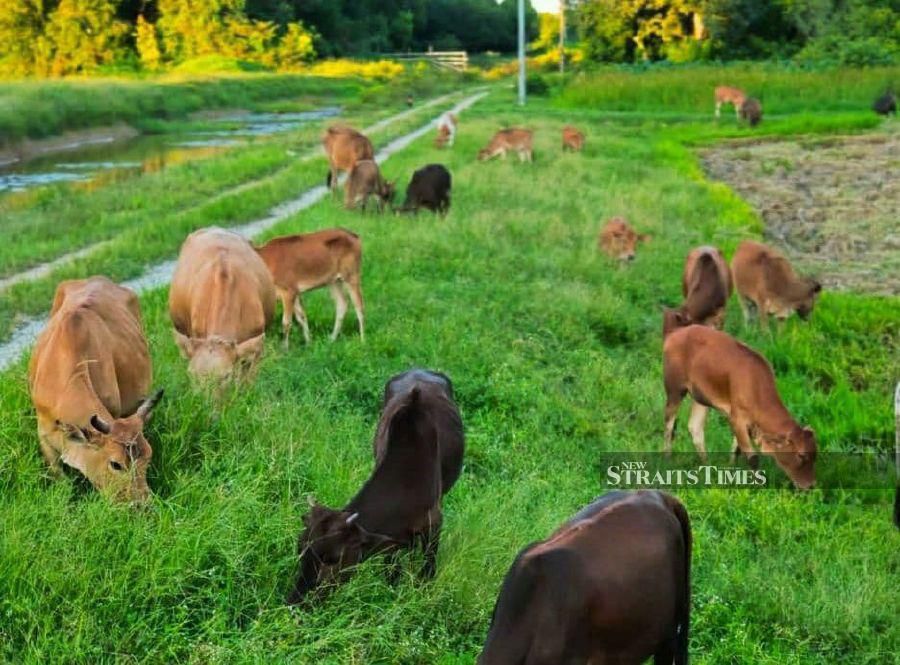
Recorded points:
(546, 6)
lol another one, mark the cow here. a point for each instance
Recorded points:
(611, 585)
(706, 287)
(751, 111)
(428, 188)
(307, 261)
(516, 139)
(765, 278)
(344, 147)
(365, 181)
(727, 95)
(221, 298)
(418, 449)
(886, 104)
(89, 379)
(446, 129)
(619, 240)
(572, 139)
(721, 373)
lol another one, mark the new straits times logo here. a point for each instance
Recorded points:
(640, 474)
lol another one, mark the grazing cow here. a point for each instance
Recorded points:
(221, 299)
(706, 287)
(765, 278)
(721, 373)
(418, 457)
(886, 104)
(89, 379)
(446, 128)
(518, 140)
(344, 147)
(365, 181)
(619, 240)
(429, 188)
(572, 139)
(307, 261)
(611, 585)
(751, 111)
(728, 95)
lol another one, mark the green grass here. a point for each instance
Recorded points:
(555, 355)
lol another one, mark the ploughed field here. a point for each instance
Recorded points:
(555, 355)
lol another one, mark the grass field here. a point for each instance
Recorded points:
(555, 356)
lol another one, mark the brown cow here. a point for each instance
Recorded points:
(727, 95)
(89, 379)
(418, 457)
(611, 585)
(751, 111)
(221, 299)
(765, 278)
(518, 140)
(706, 287)
(344, 147)
(721, 373)
(572, 139)
(365, 181)
(619, 240)
(307, 261)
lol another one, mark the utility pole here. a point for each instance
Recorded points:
(562, 36)
(521, 52)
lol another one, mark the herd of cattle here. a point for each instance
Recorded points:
(563, 599)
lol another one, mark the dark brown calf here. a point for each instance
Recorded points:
(721, 373)
(751, 111)
(429, 188)
(612, 585)
(706, 287)
(886, 104)
(418, 457)
(364, 182)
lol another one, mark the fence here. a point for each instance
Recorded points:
(455, 60)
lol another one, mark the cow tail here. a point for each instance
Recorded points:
(684, 609)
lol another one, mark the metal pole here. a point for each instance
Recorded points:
(521, 52)
(562, 36)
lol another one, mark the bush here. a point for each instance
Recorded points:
(537, 85)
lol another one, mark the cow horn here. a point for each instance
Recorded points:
(310, 500)
(352, 518)
(146, 407)
(99, 424)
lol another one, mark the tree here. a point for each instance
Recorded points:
(191, 28)
(24, 48)
(84, 34)
(147, 44)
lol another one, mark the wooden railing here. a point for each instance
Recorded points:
(456, 60)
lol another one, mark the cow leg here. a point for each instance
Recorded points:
(672, 404)
(697, 427)
(745, 308)
(735, 449)
(51, 455)
(763, 314)
(718, 109)
(737, 112)
(665, 655)
(431, 539)
(740, 428)
(356, 297)
(287, 304)
(300, 315)
(340, 308)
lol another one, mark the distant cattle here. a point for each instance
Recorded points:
(418, 457)
(506, 140)
(429, 188)
(751, 111)
(765, 278)
(307, 261)
(344, 147)
(611, 585)
(446, 130)
(572, 139)
(89, 378)
(619, 240)
(706, 286)
(886, 104)
(727, 95)
(366, 181)
(221, 299)
(721, 373)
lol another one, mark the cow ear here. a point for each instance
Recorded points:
(73, 433)
(100, 425)
(809, 430)
(187, 345)
(252, 348)
(145, 410)
(816, 287)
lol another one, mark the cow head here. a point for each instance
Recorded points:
(619, 240)
(794, 452)
(113, 455)
(674, 319)
(388, 192)
(217, 360)
(809, 291)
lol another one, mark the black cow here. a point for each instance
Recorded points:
(612, 585)
(418, 457)
(429, 188)
(886, 104)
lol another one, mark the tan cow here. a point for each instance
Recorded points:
(366, 181)
(728, 95)
(344, 147)
(446, 130)
(619, 240)
(517, 140)
(765, 278)
(89, 378)
(721, 373)
(307, 261)
(221, 299)
(706, 286)
(572, 139)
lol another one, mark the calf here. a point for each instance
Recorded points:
(765, 278)
(418, 457)
(572, 139)
(721, 373)
(518, 140)
(611, 585)
(728, 95)
(619, 240)
(886, 104)
(364, 182)
(429, 188)
(220, 301)
(89, 379)
(307, 261)
(706, 287)
(344, 147)
(751, 111)
(446, 128)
